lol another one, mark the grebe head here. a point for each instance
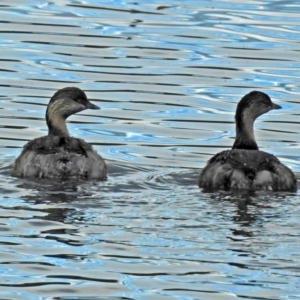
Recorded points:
(64, 103)
(250, 107)
(253, 105)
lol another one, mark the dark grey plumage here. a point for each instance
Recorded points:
(245, 166)
(58, 155)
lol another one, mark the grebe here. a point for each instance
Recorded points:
(245, 166)
(58, 155)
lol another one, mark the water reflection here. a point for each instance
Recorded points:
(167, 78)
(140, 230)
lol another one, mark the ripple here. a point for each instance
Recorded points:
(167, 78)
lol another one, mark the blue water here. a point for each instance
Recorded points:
(167, 77)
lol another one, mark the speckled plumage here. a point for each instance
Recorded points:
(246, 169)
(59, 157)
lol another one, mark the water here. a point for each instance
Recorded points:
(168, 78)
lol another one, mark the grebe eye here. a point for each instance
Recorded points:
(80, 100)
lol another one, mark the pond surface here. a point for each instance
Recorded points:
(168, 77)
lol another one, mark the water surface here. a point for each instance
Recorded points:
(167, 77)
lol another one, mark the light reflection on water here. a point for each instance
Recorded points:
(167, 78)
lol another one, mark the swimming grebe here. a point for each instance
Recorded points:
(245, 166)
(58, 155)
